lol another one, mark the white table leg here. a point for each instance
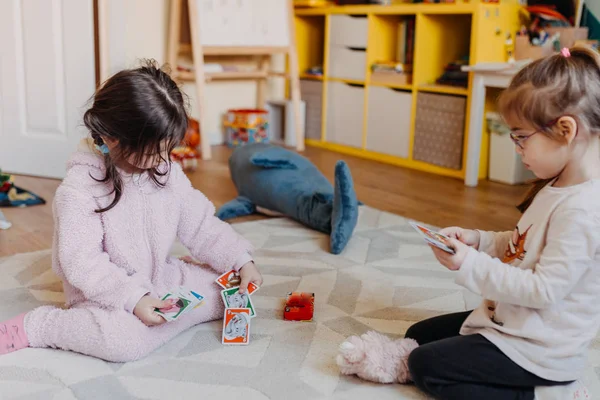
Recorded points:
(476, 111)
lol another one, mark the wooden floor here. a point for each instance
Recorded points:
(428, 198)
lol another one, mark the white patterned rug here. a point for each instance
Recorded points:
(386, 279)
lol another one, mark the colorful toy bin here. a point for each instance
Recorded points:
(243, 126)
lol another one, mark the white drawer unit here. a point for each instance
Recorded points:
(349, 30)
(388, 121)
(347, 63)
(345, 110)
(505, 164)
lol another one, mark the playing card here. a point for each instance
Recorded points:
(176, 310)
(252, 288)
(229, 280)
(435, 238)
(187, 294)
(233, 299)
(236, 326)
(183, 292)
(196, 298)
(199, 297)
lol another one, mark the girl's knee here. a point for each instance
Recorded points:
(418, 363)
(125, 350)
(413, 332)
(125, 339)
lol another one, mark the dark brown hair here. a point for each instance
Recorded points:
(144, 110)
(551, 87)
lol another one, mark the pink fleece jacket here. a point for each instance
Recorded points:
(113, 258)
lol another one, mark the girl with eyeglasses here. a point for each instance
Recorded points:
(541, 282)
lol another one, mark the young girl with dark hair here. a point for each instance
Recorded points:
(117, 214)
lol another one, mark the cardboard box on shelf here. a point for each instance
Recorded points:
(568, 35)
(525, 50)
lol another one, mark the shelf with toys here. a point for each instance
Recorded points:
(546, 32)
(385, 82)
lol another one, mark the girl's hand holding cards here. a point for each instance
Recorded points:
(469, 237)
(451, 261)
(145, 310)
(239, 310)
(450, 245)
(249, 274)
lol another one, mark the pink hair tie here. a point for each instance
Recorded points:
(565, 52)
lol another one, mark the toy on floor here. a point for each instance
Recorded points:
(375, 357)
(13, 196)
(276, 181)
(6, 181)
(245, 126)
(187, 153)
(299, 306)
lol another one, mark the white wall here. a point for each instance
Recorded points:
(138, 29)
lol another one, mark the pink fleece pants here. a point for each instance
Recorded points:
(117, 335)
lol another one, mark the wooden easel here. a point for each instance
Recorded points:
(182, 27)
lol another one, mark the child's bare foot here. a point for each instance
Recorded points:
(12, 335)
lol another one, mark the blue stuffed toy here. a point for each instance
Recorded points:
(273, 180)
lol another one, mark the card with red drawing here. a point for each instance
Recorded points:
(236, 326)
(252, 288)
(232, 279)
(229, 280)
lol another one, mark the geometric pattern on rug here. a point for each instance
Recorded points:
(386, 279)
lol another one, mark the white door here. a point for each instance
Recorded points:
(47, 74)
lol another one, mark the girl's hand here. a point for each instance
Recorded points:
(466, 236)
(249, 273)
(452, 261)
(144, 310)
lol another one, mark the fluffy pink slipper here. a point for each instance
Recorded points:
(377, 358)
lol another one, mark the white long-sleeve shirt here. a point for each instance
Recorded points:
(541, 283)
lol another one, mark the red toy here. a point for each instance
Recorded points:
(299, 306)
(187, 154)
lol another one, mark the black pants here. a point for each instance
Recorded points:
(449, 366)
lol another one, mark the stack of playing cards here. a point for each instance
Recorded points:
(238, 309)
(434, 238)
(186, 300)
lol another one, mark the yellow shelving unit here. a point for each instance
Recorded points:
(381, 121)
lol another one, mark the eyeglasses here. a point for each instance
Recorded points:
(520, 139)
